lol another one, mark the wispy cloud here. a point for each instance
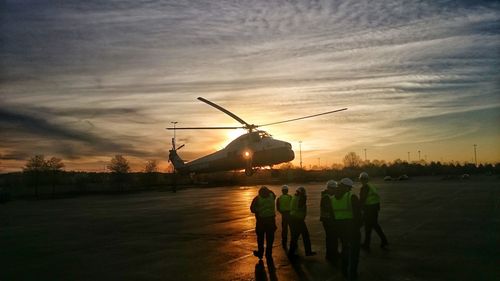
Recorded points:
(111, 75)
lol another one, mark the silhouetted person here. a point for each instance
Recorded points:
(283, 205)
(347, 215)
(298, 227)
(370, 206)
(264, 210)
(326, 218)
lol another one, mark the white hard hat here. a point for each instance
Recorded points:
(331, 184)
(363, 175)
(347, 181)
(284, 187)
(301, 189)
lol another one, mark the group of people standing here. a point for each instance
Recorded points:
(342, 214)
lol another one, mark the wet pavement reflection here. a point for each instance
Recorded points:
(208, 234)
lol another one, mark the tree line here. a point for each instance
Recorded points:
(48, 174)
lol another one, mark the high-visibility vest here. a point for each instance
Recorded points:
(285, 201)
(265, 206)
(295, 210)
(372, 197)
(342, 207)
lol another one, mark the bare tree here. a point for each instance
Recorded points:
(34, 168)
(35, 163)
(119, 165)
(151, 166)
(54, 166)
(150, 176)
(352, 160)
(119, 168)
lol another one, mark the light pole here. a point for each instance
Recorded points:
(475, 154)
(174, 186)
(319, 163)
(408, 157)
(174, 127)
(419, 156)
(300, 153)
(365, 154)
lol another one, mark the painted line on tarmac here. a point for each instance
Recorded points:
(238, 259)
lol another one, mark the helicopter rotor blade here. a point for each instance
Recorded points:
(305, 117)
(205, 128)
(225, 111)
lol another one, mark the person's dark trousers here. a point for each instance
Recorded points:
(350, 238)
(371, 222)
(285, 224)
(298, 228)
(331, 240)
(265, 228)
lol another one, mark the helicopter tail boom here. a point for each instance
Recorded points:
(176, 160)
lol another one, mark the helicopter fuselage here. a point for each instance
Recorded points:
(254, 149)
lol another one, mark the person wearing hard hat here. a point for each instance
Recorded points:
(263, 208)
(370, 206)
(298, 227)
(283, 206)
(347, 222)
(326, 218)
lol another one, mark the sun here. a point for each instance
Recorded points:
(230, 135)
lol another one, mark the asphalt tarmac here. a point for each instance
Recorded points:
(437, 230)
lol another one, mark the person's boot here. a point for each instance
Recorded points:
(257, 254)
(365, 247)
(310, 253)
(384, 245)
(291, 253)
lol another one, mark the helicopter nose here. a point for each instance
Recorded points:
(291, 154)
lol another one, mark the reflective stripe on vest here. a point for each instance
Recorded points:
(295, 211)
(372, 197)
(265, 206)
(285, 201)
(342, 208)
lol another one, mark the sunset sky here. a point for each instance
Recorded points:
(85, 80)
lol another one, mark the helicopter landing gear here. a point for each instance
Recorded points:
(249, 171)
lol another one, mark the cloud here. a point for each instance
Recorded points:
(23, 127)
(112, 75)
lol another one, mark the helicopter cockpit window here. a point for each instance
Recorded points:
(264, 135)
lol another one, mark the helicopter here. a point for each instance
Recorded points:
(248, 152)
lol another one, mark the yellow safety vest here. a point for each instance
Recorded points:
(342, 208)
(285, 200)
(295, 211)
(372, 197)
(265, 206)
